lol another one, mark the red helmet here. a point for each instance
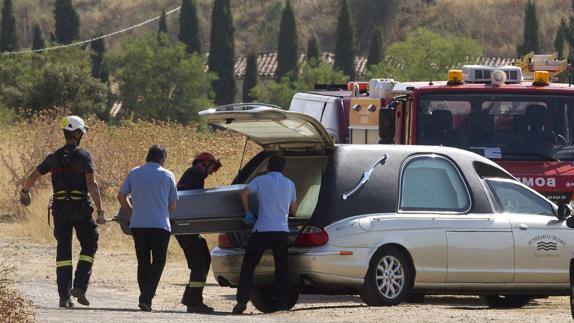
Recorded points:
(208, 157)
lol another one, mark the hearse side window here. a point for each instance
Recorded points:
(514, 198)
(433, 183)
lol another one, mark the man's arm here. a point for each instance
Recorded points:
(245, 199)
(94, 190)
(123, 199)
(293, 209)
(31, 180)
(171, 207)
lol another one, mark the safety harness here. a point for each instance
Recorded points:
(66, 194)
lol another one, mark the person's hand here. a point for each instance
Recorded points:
(249, 218)
(25, 198)
(101, 220)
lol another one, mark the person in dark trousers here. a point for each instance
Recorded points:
(153, 198)
(276, 200)
(194, 246)
(74, 188)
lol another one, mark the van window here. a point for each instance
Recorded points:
(306, 173)
(514, 198)
(433, 183)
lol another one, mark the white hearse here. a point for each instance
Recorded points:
(389, 222)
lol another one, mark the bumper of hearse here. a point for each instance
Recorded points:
(326, 266)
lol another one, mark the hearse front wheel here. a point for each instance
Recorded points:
(264, 299)
(387, 281)
(505, 301)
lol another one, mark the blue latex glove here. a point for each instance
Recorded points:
(249, 218)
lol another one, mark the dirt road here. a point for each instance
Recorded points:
(114, 296)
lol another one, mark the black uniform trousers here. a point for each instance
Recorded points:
(198, 259)
(151, 251)
(69, 216)
(259, 242)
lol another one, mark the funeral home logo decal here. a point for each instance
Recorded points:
(546, 245)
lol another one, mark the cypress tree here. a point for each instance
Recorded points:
(222, 52)
(8, 35)
(377, 50)
(189, 27)
(99, 69)
(287, 50)
(560, 38)
(313, 51)
(38, 41)
(250, 79)
(530, 36)
(162, 23)
(345, 44)
(67, 21)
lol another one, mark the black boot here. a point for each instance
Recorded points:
(200, 309)
(66, 303)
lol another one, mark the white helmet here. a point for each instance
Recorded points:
(73, 123)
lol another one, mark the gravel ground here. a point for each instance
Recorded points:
(114, 294)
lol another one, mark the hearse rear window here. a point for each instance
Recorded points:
(433, 183)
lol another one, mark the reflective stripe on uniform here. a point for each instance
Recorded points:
(63, 263)
(87, 259)
(72, 195)
(196, 284)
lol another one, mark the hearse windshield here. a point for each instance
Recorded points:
(499, 126)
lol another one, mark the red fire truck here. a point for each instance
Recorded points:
(525, 126)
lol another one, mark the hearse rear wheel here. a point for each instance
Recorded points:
(264, 299)
(387, 281)
(505, 301)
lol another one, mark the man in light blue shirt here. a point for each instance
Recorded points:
(276, 200)
(153, 197)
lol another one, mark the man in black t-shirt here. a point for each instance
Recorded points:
(194, 246)
(74, 189)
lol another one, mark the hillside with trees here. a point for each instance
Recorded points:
(496, 24)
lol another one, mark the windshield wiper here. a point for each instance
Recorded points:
(366, 176)
(541, 155)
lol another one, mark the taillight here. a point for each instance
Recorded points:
(312, 236)
(224, 241)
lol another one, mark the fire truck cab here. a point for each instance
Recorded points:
(525, 126)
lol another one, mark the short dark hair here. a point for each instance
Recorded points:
(276, 164)
(156, 154)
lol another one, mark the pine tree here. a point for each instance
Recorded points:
(250, 79)
(287, 49)
(99, 69)
(162, 23)
(530, 37)
(8, 35)
(38, 41)
(345, 44)
(189, 27)
(222, 52)
(560, 38)
(313, 51)
(376, 50)
(67, 21)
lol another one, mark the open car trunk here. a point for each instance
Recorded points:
(299, 138)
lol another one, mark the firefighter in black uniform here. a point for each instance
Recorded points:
(194, 246)
(74, 190)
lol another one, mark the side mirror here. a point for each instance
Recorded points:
(564, 211)
(387, 123)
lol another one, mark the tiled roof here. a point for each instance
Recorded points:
(267, 63)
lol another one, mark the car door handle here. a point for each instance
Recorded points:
(523, 226)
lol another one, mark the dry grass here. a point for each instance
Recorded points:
(116, 150)
(13, 307)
